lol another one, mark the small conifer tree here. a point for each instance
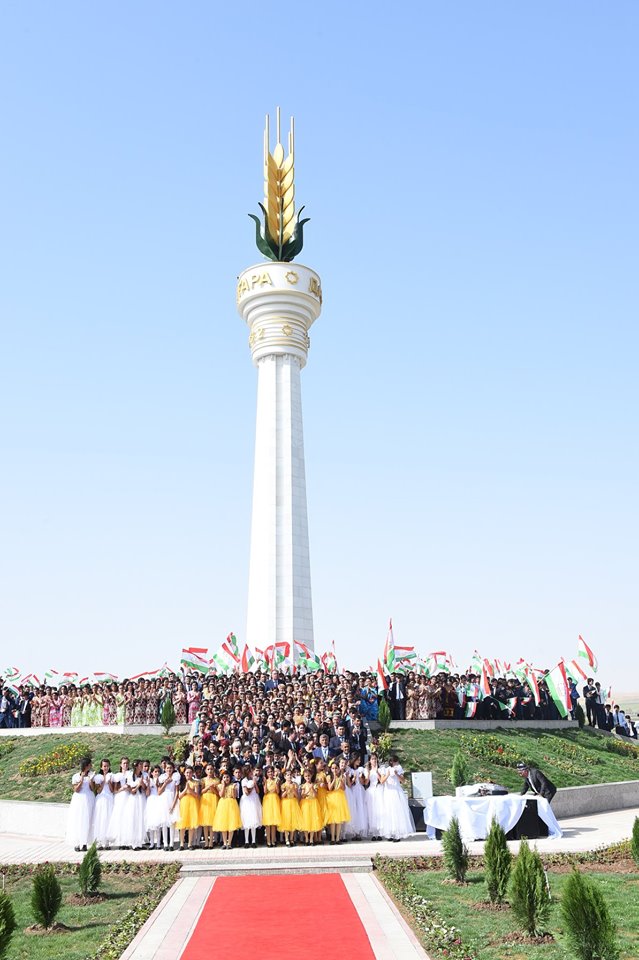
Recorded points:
(384, 715)
(167, 715)
(455, 852)
(529, 897)
(588, 926)
(459, 772)
(7, 924)
(498, 862)
(90, 872)
(46, 895)
(634, 841)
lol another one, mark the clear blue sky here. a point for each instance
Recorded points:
(471, 398)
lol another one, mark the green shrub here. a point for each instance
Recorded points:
(384, 715)
(7, 924)
(459, 772)
(167, 715)
(529, 896)
(46, 895)
(455, 852)
(588, 926)
(580, 716)
(498, 863)
(90, 872)
(634, 841)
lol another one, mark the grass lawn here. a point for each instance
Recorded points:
(90, 924)
(569, 758)
(483, 930)
(57, 786)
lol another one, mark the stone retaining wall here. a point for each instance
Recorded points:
(484, 724)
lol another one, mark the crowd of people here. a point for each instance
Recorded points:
(411, 696)
(221, 800)
(268, 754)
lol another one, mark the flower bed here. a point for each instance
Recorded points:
(64, 757)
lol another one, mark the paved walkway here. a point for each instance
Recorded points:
(579, 834)
(168, 930)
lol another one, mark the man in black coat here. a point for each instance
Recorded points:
(397, 697)
(536, 781)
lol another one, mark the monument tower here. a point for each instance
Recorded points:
(279, 301)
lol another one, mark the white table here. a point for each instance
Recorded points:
(475, 814)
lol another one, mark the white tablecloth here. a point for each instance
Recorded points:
(475, 814)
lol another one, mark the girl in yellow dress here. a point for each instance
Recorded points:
(209, 798)
(337, 811)
(310, 808)
(321, 782)
(227, 816)
(291, 819)
(189, 808)
(271, 807)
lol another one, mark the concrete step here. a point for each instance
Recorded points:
(238, 868)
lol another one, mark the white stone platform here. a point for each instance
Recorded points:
(123, 729)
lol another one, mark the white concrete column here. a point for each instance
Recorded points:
(279, 302)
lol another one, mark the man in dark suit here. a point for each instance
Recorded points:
(397, 697)
(590, 694)
(536, 781)
(335, 743)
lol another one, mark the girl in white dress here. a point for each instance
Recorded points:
(155, 813)
(356, 795)
(80, 820)
(168, 784)
(375, 798)
(103, 786)
(398, 820)
(250, 809)
(137, 821)
(118, 826)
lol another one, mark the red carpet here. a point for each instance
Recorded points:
(279, 918)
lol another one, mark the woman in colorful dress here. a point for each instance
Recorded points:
(45, 706)
(36, 709)
(55, 709)
(194, 700)
(336, 804)
(209, 798)
(227, 816)
(152, 701)
(291, 817)
(108, 707)
(179, 705)
(139, 709)
(271, 807)
(312, 819)
(93, 707)
(129, 704)
(104, 799)
(76, 709)
(120, 704)
(189, 809)
(67, 706)
(80, 822)
(250, 809)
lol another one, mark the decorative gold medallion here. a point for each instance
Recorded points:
(287, 330)
(291, 277)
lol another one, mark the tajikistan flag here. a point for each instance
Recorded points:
(191, 660)
(247, 659)
(559, 690)
(584, 651)
(389, 649)
(307, 658)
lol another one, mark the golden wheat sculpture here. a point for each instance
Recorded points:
(282, 235)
